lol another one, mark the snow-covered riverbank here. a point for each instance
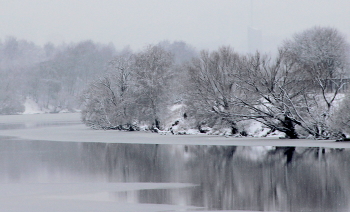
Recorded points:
(51, 127)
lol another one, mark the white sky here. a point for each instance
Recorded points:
(202, 23)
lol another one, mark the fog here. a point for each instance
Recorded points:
(204, 24)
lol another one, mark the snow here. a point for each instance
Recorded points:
(31, 107)
(176, 107)
(192, 132)
(78, 132)
(257, 129)
(252, 128)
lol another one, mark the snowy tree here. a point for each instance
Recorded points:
(321, 51)
(11, 48)
(322, 55)
(212, 86)
(153, 72)
(293, 93)
(274, 93)
(234, 87)
(181, 51)
(20, 54)
(18, 57)
(132, 91)
(49, 49)
(11, 101)
(58, 81)
(109, 101)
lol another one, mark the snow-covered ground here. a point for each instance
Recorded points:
(31, 107)
(78, 132)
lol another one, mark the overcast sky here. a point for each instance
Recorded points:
(202, 23)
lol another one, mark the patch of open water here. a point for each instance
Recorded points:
(205, 177)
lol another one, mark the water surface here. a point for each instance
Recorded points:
(38, 175)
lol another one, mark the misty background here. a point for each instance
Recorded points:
(205, 24)
(126, 64)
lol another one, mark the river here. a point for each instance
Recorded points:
(50, 162)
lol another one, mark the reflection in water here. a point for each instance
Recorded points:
(228, 177)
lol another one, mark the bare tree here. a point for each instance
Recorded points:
(11, 101)
(272, 91)
(58, 81)
(212, 86)
(322, 55)
(132, 91)
(109, 100)
(153, 71)
(181, 51)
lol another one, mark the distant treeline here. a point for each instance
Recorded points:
(55, 76)
(301, 91)
(52, 76)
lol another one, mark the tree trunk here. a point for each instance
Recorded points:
(290, 128)
(157, 123)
